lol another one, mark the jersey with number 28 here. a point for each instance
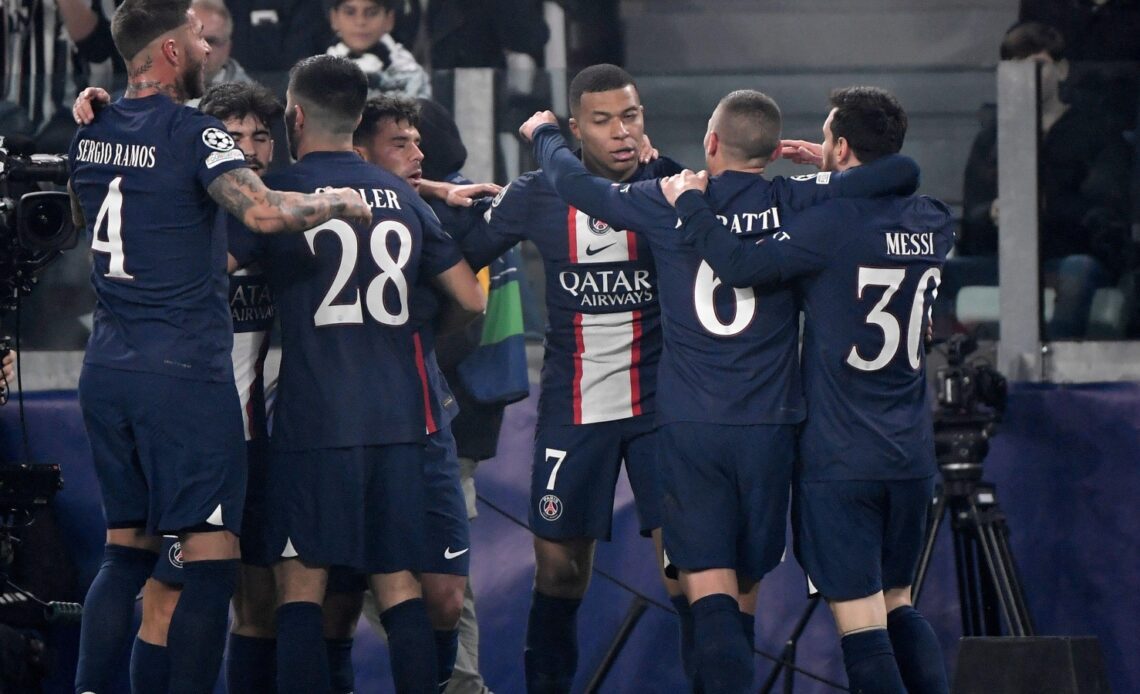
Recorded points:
(352, 367)
(140, 172)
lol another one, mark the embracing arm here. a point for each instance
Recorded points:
(242, 193)
(592, 194)
(738, 263)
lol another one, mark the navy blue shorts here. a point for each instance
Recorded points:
(447, 536)
(856, 537)
(361, 507)
(169, 452)
(726, 495)
(575, 471)
(168, 568)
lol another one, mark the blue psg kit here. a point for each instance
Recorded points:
(342, 292)
(157, 388)
(728, 382)
(731, 354)
(868, 271)
(603, 337)
(141, 172)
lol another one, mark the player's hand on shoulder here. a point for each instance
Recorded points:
(673, 186)
(526, 130)
(801, 152)
(465, 195)
(89, 101)
(354, 208)
(647, 152)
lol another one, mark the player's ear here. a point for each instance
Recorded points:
(360, 151)
(712, 144)
(170, 51)
(574, 128)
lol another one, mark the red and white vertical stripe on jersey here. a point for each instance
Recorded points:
(421, 369)
(248, 355)
(607, 354)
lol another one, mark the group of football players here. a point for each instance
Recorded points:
(673, 345)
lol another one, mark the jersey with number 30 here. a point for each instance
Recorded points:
(352, 367)
(140, 172)
(868, 272)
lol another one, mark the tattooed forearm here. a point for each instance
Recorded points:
(243, 195)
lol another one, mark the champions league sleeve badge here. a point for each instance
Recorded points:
(218, 140)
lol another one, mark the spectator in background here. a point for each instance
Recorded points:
(218, 30)
(364, 28)
(1083, 173)
(1092, 29)
(41, 69)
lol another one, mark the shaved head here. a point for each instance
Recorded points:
(747, 123)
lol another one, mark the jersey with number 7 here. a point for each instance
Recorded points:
(868, 272)
(352, 368)
(140, 173)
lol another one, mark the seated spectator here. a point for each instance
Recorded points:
(218, 30)
(1083, 166)
(363, 27)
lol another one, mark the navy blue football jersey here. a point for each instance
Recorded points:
(352, 365)
(731, 354)
(140, 172)
(252, 311)
(868, 272)
(603, 333)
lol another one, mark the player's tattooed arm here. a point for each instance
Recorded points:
(76, 209)
(242, 193)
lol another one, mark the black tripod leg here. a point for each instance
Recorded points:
(965, 568)
(1018, 590)
(788, 655)
(933, 522)
(632, 616)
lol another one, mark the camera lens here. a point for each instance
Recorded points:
(45, 222)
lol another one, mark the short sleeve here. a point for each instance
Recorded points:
(208, 147)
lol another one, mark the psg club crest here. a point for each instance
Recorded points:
(175, 555)
(550, 507)
(218, 140)
(599, 227)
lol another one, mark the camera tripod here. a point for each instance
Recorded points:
(988, 585)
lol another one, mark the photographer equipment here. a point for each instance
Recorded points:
(971, 400)
(35, 226)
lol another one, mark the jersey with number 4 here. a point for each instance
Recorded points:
(868, 272)
(731, 354)
(352, 368)
(140, 172)
(603, 333)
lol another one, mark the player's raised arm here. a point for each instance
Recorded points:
(894, 174)
(242, 193)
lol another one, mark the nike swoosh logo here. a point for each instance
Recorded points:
(448, 554)
(595, 251)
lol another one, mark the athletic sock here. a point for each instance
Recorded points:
(685, 617)
(411, 647)
(198, 626)
(150, 667)
(917, 652)
(109, 615)
(870, 663)
(251, 664)
(446, 646)
(724, 663)
(551, 655)
(748, 623)
(302, 661)
(341, 676)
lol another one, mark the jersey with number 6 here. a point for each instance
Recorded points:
(140, 172)
(868, 272)
(731, 355)
(352, 368)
